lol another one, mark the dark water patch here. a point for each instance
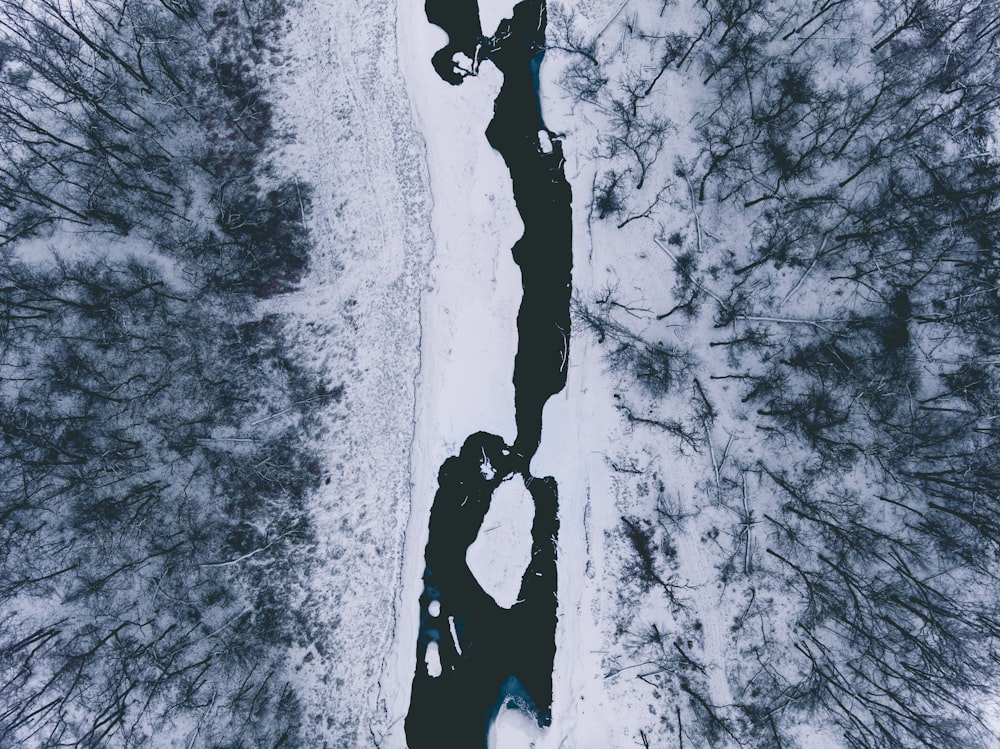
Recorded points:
(534, 157)
(484, 653)
(460, 21)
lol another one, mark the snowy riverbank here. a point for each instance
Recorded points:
(359, 316)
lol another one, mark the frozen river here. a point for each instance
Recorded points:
(473, 653)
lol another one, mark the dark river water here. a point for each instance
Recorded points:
(483, 655)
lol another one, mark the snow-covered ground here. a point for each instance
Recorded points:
(359, 316)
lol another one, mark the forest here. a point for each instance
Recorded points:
(153, 464)
(815, 189)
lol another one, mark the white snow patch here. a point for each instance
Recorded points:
(514, 729)
(544, 142)
(464, 63)
(502, 550)
(991, 715)
(357, 317)
(454, 634)
(486, 468)
(492, 12)
(433, 660)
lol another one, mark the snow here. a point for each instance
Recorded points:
(513, 729)
(464, 63)
(502, 550)
(359, 315)
(433, 660)
(468, 341)
(454, 634)
(544, 142)
(486, 469)
(491, 12)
